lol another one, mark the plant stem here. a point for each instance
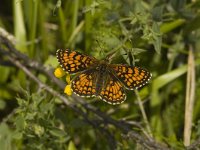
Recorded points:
(189, 100)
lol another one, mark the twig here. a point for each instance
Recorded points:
(194, 145)
(151, 145)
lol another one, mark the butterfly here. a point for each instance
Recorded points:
(98, 78)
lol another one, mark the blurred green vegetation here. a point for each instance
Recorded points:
(155, 34)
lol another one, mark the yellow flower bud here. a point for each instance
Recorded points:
(68, 90)
(68, 79)
(59, 73)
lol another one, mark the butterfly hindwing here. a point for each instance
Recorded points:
(73, 62)
(131, 77)
(84, 84)
(113, 91)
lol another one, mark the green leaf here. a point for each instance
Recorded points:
(20, 122)
(157, 13)
(19, 27)
(167, 27)
(51, 62)
(168, 77)
(157, 40)
(71, 146)
(57, 132)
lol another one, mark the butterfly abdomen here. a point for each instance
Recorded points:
(102, 73)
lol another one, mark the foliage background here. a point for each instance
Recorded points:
(156, 35)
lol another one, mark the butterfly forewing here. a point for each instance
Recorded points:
(73, 62)
(131, 77)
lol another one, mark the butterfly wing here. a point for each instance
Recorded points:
(84, 84)
(113, 91)
(131, 77)
(73, 62)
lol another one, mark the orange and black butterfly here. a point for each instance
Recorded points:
(98, 78)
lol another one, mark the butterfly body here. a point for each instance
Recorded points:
(101, 74)
(97, 78)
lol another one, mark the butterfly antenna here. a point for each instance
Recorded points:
(110, 56)
(101, 49)
(130, 57)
